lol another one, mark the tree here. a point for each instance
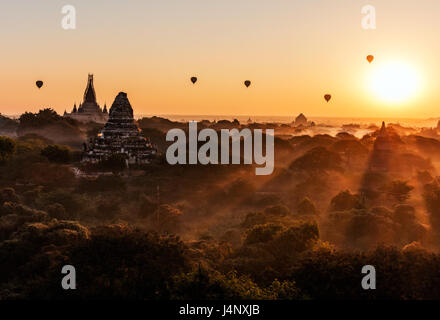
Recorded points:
(7, 148)
(167, 219)
(57, 211)
(399, 190)
(431, 196)
(8, 195)
(212, 285)
(56, 153)
(42, 118)
(306, 207)
(345, 200)
(277, 210)
(295, 239)
(262, 233)
(253, 219)
(317, 160)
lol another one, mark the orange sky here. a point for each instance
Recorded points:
(294, 51)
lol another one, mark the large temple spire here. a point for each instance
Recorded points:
(89, 94)
(89, 109)
(383, 130)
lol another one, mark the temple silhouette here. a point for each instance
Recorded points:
(120, 135)
(89, 109)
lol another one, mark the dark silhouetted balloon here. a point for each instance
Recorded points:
(327, 97)
(39, 84)
(370, 58)
(193, 79)
(247, 83)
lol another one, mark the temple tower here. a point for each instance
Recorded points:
(120, 135)
(89, 109)
(89, 104)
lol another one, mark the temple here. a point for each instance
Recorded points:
(382, 151)
(120, 135)
(89, 109)
(300, 120)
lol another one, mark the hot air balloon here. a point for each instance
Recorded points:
(193, 79)
(39, 84)
(327, 97)
(247, 83)
(370, 58)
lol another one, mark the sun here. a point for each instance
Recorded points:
(394, 82)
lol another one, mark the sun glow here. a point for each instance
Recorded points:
(394, 82)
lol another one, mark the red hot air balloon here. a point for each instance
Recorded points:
(247, 83)
(193, 80)
(39, 84)
(327, 97)
(370, 58)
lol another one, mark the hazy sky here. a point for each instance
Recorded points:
(293, 51)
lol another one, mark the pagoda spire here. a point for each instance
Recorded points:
(383, 130)
(89, 94)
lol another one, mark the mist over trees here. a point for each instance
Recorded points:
(333, 204)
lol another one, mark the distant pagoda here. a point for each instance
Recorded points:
(120, 135)
(300, 120)
(386, 148)
(89, 109)
(385, 161)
